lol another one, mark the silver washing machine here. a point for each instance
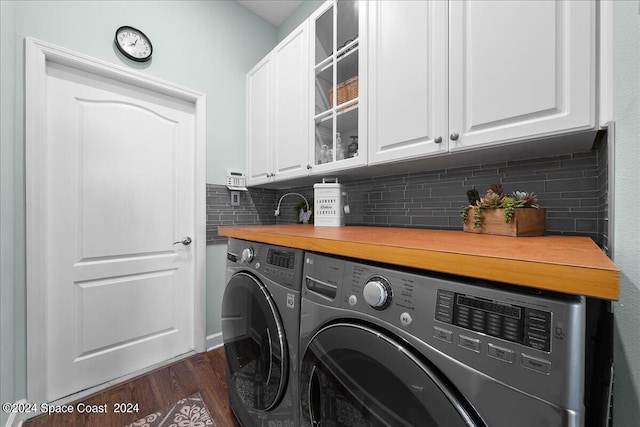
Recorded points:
(260, 329)
(386, 347)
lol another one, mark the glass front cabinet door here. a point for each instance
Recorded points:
(338, 133)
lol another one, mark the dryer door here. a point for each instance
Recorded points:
(254, 343)
(354, 375)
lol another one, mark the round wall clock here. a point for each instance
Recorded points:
(133, 44)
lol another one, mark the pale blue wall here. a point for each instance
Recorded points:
(626, 247)
(203, 45)
(207, 46)
(216, 254)
(216, 262)
(306, 8)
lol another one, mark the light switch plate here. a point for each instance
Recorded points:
(235, 198)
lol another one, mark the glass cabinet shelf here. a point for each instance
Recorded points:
(341, 109)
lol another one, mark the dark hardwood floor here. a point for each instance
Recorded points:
(202, 373)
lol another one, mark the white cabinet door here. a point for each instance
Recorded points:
(519, 69)
(291, 109)
(407, 80)
(277, 112)
(259, 119)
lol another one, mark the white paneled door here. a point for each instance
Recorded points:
(120, 232)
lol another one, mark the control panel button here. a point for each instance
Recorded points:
(444, 306)
(377, 293)
(515, 323)
(443, 334)
(537, 325)
(464, 317)
(540, 365)
(500, 353)
(405, 319)
(247, 255)
(353, 300)
(469, 343)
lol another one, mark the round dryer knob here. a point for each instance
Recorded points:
(247, 255)
(377, 293)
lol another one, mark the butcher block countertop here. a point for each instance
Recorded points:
(568, 264)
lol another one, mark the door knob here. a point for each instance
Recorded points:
(454, 136)
(185, 241)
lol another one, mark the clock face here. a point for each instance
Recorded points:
(133, 44)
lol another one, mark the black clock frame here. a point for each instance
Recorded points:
(127, 54)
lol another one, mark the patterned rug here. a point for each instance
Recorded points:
(188, 412)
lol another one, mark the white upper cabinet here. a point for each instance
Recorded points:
(338, 91)
(372, 82)
(277, 112)
(520, 69)
(407, 79)
(259, 122)
(291, 101)
(458, 75)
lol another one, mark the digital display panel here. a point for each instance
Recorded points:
(524, 325)
(284, 259)
(490, 306)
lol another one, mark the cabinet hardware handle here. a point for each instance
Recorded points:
(454, 136)
(438, 139)
(309, 166)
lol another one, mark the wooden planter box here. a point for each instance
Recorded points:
(525, 222)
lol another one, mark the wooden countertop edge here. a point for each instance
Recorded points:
(578, 280)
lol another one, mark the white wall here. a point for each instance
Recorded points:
(626, 246)
(207, 46)
(8, 209)
(306, 8)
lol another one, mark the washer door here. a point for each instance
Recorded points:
(254, 343)
(353, 375)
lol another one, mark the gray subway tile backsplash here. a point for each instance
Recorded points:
(572, 188)
(254, 209)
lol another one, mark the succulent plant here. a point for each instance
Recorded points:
(464, 214)
(473, 196)
(494, 199)
(527, 200)
(496, 188)
(477, 218)
(490, 200)
(509, 204)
